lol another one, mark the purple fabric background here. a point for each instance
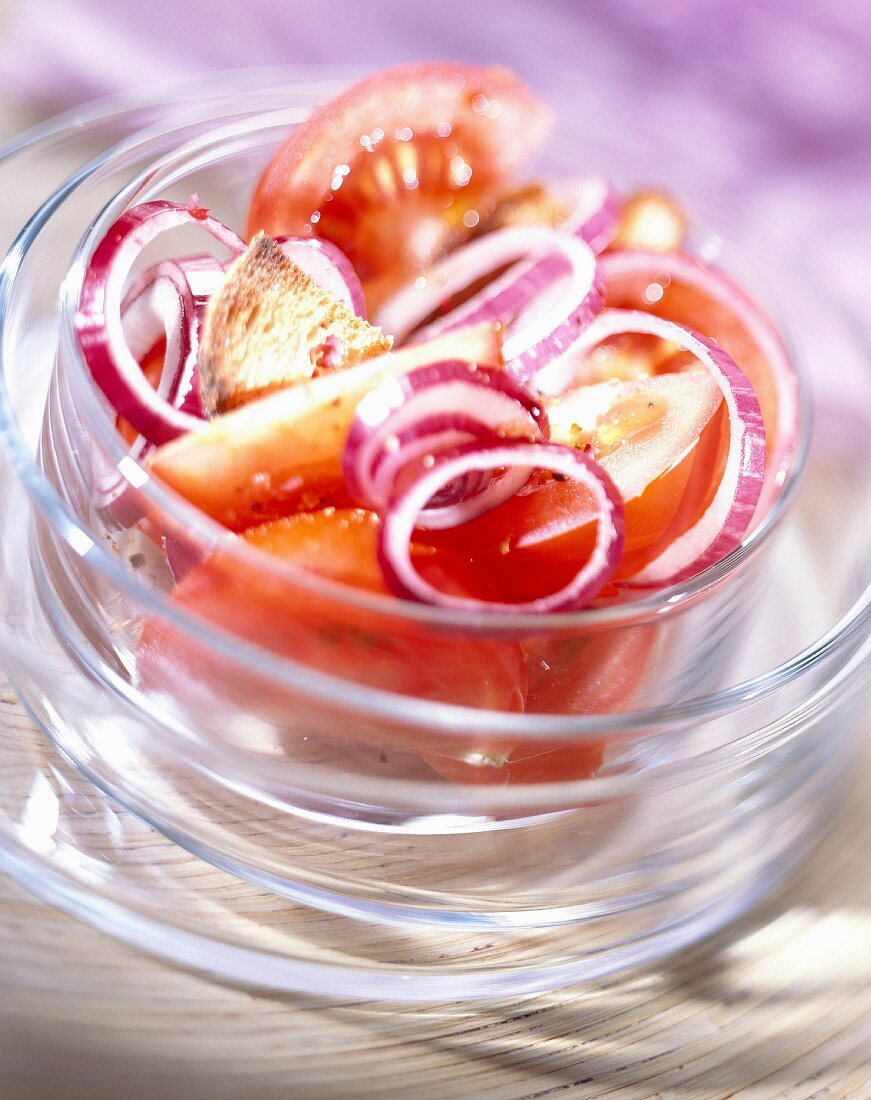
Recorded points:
(770, 98)
(774, 97)
(790, 80)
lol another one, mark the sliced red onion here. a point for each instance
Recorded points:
(98, 321)
(404, 515)
(160, 303)
(204, 274)
(715, 284)
(596, 206)
(728, 517)
(323, 261)
(329, 267)
(544, 303)
(409, 420)
(406, 454)
(188, 283)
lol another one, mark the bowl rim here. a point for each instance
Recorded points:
(360, 697)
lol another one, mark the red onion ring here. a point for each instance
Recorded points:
(596, 207)
(98, 320)
(401, 519)
(412, 418)
(329, 267)
(160, 303)
(546, 302)
(727, 519)
(148, 315)
(204, 274)
(416, 448)
(715, 284)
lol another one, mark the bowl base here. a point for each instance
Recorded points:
(81, 850)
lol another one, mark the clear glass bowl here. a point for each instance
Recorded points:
(304, 839)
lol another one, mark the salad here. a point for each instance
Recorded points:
(428, 374)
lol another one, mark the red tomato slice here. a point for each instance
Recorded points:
(283, 452)
(392, 168)
(597, 673)
(556, 761)
(682, 288)
(594, 674)
(662, 440)
(321, 633)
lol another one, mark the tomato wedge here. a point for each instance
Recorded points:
(399, 167)
(591, 674)
(685, 289)
(329, 635)
(597, 673)
(662, 440)
(283, 452)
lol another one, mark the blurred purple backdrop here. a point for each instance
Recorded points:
(772, 99)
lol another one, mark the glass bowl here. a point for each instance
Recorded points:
(303, 788)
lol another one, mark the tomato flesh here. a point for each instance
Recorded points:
(324, 634)
(283, 452)
(596, 673)
(593, 674)
(677, 297)
(650, 220)
(399, 208)
(399, 167)
(663, 442)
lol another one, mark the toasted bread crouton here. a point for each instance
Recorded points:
(270, 325)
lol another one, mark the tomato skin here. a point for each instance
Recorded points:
(687, 304)
(374, 170)
(594, 674)
(283, 453)
(556, 762)
(328, 635)
(533, 543)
